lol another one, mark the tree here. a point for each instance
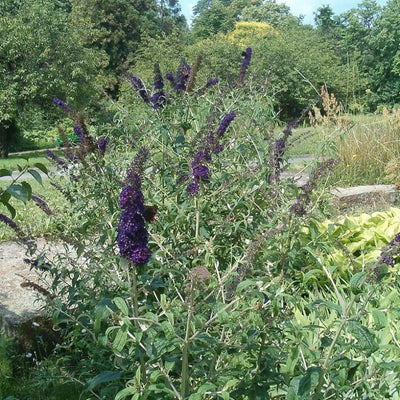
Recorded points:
(213, 19)
(385, 60)
(41, 57)
(276, 15)
(118, 27)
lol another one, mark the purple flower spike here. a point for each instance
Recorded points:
(245, 64)
(158, 100)
(395, 240)
(218, 148)
(131, 199)
(158, 80)
(102, 145)
(388, 260)
(132, 235)
(41, 204)
(62, 104)
(56, 159)
(182, 76)
(193, 188)
(139, 87)
(201, 174)
(199, 157)
(225, 123)
(8, 221)
(79, 133)
(12, 224)
(212, 82)
(140, 255)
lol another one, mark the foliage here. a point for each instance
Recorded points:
(239, 299)
(218, 257)
(117, 28)
(216, 18)
(34, 71)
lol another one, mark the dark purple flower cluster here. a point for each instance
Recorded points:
(132, 238)
(245, 64)
(86, 142)
(79, 133)
(279, 148)
(12, 224)
(179, 81)
(41, 204)
(62, 104)
(158, 99)
(138, 85)
(210, 145)
(56, 159)
(212, 82)
(389, 254)
(102, 145)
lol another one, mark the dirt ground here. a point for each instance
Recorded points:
(17, 303)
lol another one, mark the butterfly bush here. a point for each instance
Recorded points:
(132, 238)
(42, 204)
(211, 142)
(391, 252)
(12, 224)
(182, 81)
(200, 171)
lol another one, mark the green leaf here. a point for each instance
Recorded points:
(380, 319)
(19, 192)
(105, 376)
(365, 339)
(11, 209)
(5, 172)
(120, 339)
(195, 396)
(244, 285)
(42, 167)
(36, 175)
(292, 360)
(28, 188)
(309, 380)
(357, 281)
(225, 395)
(314, 274)
(130, 390)
(121, 304)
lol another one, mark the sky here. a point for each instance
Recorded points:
(297, 7)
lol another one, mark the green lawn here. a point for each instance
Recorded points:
(22, 160)
(29, 216)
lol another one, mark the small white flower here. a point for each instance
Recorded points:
(35, 324)
(28, 355)
(83, 330)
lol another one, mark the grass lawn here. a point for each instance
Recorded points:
(29, 216)
(22, 160)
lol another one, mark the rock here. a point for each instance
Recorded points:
(371, 196)
(18, 300)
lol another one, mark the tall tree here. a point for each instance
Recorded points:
(118, 26)
(40, 57)
(214, 18)
(326, 20)
(274, 14)
(385, 62)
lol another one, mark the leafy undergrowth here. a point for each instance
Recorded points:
(192, 271)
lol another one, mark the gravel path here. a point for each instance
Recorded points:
(17, 303)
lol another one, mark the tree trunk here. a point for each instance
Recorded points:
(8, 135)
(4, 139)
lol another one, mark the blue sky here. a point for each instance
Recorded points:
(297, 7)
